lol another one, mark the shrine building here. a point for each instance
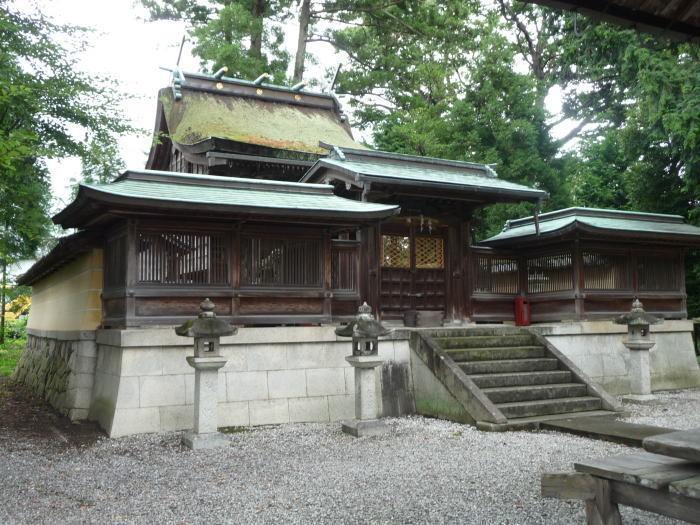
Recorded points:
(258, 197)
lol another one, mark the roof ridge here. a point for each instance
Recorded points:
(489, 172)
(218, 181)
(250, 83)
(581, 211)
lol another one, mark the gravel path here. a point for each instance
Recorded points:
(423, 471)
(679, 410)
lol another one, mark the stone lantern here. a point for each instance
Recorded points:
(365, 332)
(639, 342)
(206, 330)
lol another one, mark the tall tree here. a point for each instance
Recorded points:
(47, 110)
(445, 80)
(246, 36)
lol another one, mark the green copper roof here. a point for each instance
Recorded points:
(394, 168)
(593, 220)
(169, 190)
(200, 115)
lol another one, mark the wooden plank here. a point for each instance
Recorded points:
(684, 444)
(660, 502)
(643, 469)
(607, 428)
(568, 485)
(687, 487)
(602, 509)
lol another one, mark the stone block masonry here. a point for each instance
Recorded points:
(60, 368)
(597, 348)
(272, 376)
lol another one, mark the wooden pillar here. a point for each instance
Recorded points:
(466, 265)
(454, 298)
(577, 266)
(374, 268)
(327, 276)
(235, 275)
(370, 253)
(131, 275)
(681, 269)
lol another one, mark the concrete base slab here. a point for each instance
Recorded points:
(365, 427)
(640, 399)
(205, 441)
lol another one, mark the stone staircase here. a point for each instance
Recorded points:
(517, 376)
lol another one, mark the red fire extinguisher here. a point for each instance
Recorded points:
(522, 311)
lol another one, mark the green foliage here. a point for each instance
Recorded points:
(48, 109)
(442, 80)
(645, 153)
(246, 36)
(13, 346)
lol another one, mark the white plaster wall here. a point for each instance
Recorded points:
(597, 348)
(273, 375)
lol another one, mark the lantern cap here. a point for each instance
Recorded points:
(364, 326)
(637, 316)
(206, 324)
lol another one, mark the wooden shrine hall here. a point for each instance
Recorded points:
(258, 197)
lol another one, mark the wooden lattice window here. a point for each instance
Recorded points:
(281, 262)
(344, 268)
(603, 271)
(657, 273)
(396, 251)
(495, 274)
(550, 273)
(182, 258)
(430, 252)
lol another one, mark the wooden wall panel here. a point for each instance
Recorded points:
(280, 305)
(175, 306)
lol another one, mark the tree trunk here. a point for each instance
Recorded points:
(3, 284)
(256, 32)
(304, 19)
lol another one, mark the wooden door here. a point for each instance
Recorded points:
(412, 268)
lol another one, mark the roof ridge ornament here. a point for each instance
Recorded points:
(265, 76)
(177, 79)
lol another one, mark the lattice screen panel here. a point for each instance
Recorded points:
(430, 253)
(550, 273)
(396, 251)
(603, 271)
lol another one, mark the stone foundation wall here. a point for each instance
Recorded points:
(59, 367)
(273, 375)
(596, 347)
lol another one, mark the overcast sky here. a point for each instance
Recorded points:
(126, 47)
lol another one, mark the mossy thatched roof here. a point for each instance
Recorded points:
(201, 115)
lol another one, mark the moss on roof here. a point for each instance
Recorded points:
(201, 115)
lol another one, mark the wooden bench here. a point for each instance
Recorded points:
(658, 483)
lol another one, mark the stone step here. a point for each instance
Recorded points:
(487, 341)
(549, 406)
(511, 394)
(521, 378)
(497, 352)
(510, 365)
(500, 330)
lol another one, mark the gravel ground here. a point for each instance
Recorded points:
(680, 409)
(423, 471)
